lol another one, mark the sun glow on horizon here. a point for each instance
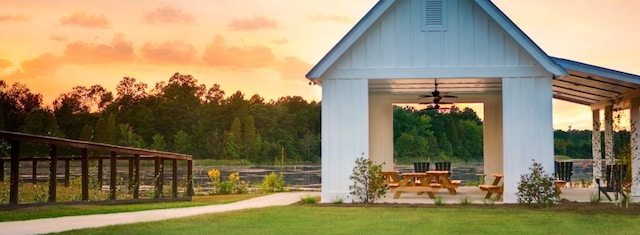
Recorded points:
(263, 48)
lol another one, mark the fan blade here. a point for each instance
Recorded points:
(449, 96)
(445, 103)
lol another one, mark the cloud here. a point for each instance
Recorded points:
(292, 68)
(170, 52)
(44, 65)
(219, 54)
(331, 18)
(14, 17)
(57, 38)
(280, 41)
(168, 15)
(253, 23)
(5, 64)
(119, 51)
(83, 20)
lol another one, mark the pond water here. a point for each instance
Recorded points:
(309, 176)
(304, 177)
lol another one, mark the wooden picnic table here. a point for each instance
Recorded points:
(425, 182)
(442, 177)
(391, 179)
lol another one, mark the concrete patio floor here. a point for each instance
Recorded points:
(475, 196)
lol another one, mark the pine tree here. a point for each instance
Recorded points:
(86, 133)
(249, 138)
(101, 130)
(112, 130)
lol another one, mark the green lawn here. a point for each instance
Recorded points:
(307, 220)
(65, 210)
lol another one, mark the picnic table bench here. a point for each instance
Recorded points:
(496, 187)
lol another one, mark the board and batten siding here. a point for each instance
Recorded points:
(345, 133)
(396, 45)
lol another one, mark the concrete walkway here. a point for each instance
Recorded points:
(40, 226)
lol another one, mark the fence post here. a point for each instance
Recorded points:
(174, 174)
(114, 175)
(53, 172)
(136, 176)
(190, 178)
(34, 171)
(67, 162)
(131, 178)
(85, 174)
(100, 176)
(15, 172)
(158, 176)
(1, 170)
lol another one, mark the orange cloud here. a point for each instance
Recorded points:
(14, 17)
(253, 23)
(168, 15)
(43, 65)
(219, 54)
(292, 68)
(57, 38)
(332, 18)
(170, 52)
(119, 51)
(4, 64)
(83, 20)
(280, 41)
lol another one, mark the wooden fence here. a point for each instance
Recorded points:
(132, 156)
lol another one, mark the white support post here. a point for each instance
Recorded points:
(381, 131)
(492, 135)
(596, 143)
(345, 134)
(634, 113)
(527, 127)
(608, 135)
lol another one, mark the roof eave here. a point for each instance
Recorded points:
(517, 34)
(596, 70)
(349, 39)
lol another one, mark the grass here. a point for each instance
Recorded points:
(67, 210)
(298, 219)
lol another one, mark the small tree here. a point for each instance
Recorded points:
(368, 181)
(537, 188)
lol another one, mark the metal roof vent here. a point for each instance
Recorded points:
(433, 13)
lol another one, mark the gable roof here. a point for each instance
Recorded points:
(383, 5)
(350, 38)
(514, 31)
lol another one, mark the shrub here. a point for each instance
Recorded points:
(226, 187)
(465, 201)
(337, 200)
(537, 188)
(439, 201)
(233, 185)
(309, 200)
(273, 183)
(368, 181)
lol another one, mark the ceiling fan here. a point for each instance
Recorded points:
(437, 98)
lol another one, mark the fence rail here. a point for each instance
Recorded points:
(133, 156)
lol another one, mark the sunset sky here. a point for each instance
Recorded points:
(261, 46)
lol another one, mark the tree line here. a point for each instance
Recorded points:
(421, 134)
(577, 144)
(183, 116)
(180, 115)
